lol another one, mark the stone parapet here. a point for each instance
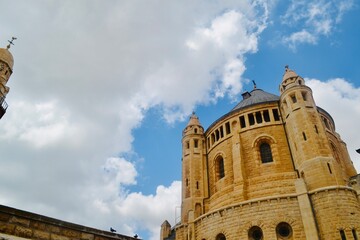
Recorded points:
(27, 225)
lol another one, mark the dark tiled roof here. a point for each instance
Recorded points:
(256, 96)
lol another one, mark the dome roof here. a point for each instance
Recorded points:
(7, 57)
(256, 96)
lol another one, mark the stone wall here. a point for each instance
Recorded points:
(336, 209)
(28, 225)
(235, 221)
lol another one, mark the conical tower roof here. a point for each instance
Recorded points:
(289, 74)
(7, 57)
(194, 120)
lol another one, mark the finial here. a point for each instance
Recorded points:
(286, 67)
(254, 84)
(11, 42)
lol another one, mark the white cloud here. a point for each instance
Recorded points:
(299, 37)
(342, 100)
(313, 19)
(85, 74)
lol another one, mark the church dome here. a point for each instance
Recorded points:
(254, 97)
(7, 57)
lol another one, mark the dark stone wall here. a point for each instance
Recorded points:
(34, 226)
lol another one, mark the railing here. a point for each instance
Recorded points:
(3, 106)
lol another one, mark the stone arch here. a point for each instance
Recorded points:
(220, 236)
(219, 166)
(271, 148)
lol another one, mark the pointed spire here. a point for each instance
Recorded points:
(194, 120)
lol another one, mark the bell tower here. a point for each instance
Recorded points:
(194, 178)
(306, 133)
(6, 69)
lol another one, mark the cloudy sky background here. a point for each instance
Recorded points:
(101, 91)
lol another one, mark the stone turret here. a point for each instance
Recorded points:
(6, 69)
(193, 162)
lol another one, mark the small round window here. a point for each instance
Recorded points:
(284, 230)
(255, 233)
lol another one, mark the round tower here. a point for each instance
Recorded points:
(193, 170)
(306, 133)
(6, 69)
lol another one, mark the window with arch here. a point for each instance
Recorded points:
(284, 230)
(220, 169)
(220, 236)
(265, 153)
(255, 233)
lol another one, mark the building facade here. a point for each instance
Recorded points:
(272, 168)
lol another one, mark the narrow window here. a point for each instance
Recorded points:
(187, 182)
(354, 234)
(208, 142)
(242, 122)
(187, 145)
(217, 135)
(227, 128)
(212, 138)
(221, 132)
(342, 234)
(304, 95)
(265, 153)
(266, 116)
(329, 167)
(220, 168)
(251, 119)
(196, 143)
(293, 98)
(258, 117)
(195, 130)
(197, 184)
(316, 129)
(276, 114)
(304, 136)
(299, 82)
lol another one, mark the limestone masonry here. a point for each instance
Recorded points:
(272, 168)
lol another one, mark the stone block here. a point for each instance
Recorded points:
(58, 237)
(23, 232)
(7, 228)
(40, 235)
(20, 221)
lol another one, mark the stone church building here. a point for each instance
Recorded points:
(272, 168)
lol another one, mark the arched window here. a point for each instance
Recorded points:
(265, 153)
(255, 233)
(283, 230)
(220, 236)
(220, 169)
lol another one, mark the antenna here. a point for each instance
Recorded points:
(11, 42)
(254, 84)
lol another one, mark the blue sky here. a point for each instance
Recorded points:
(102, 90)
